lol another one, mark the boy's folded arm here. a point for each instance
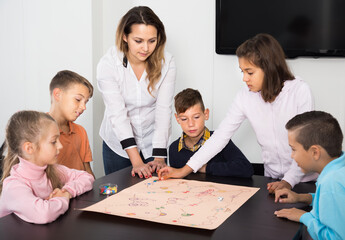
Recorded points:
(230, 162)
(229, 168)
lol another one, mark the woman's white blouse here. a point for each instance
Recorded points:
(133, 117)
(268, 121)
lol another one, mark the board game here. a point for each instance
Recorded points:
(181, 202)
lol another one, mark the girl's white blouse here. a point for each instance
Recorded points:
(268, 121)
(130, 110)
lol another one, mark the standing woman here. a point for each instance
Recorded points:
(273, 96)
(137, 78)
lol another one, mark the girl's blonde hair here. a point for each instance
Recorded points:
(144, 15)
(26, 126)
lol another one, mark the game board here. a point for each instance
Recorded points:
(177, 201)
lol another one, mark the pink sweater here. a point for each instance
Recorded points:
(25, 190)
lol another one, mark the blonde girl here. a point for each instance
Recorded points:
(32, 185)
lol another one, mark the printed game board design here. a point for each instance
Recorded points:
(177, 201)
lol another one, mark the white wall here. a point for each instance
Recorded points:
(40, 37)
(190, 28)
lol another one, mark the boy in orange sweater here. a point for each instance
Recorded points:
(69, 94)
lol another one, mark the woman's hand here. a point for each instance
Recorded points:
(157, 164)
(139, 167)
(143, 170)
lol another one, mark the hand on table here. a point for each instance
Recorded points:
(143, 170)
(57, 192)
(169, 172)
(292, 214)
(273, 186)
(285, 195)
(157, 164)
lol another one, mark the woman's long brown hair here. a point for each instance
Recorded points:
(144, 15)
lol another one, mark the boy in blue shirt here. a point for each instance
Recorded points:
(191, 115)
(316, 141)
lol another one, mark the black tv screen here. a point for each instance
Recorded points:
(302, 27)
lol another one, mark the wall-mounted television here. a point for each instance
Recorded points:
(302, 27)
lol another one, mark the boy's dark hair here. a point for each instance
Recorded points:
(65, 78)
(186, 99)
(265, 52)
(317, 128)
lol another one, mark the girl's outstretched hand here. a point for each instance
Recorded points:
(169, 172)
(165, 173)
